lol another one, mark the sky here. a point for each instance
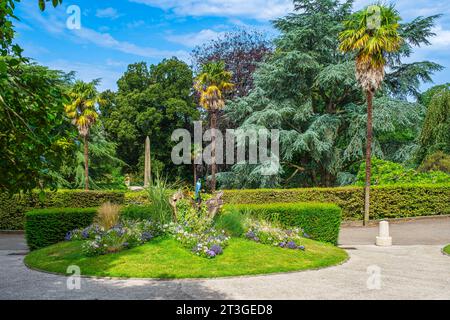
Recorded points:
(115, 33)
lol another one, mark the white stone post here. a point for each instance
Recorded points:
(383, 238)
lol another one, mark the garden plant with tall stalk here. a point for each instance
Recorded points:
(371, 33)
(211, 83)
(84, 99)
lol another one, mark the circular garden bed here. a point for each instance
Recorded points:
(164, 258)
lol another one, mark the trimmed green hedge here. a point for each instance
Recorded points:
(321, 221)
(13, 207)
(398, 201)
(395, 201)
(44, 227)
(137, 212)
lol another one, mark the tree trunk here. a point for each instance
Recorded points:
(213, 150)
(147, 165)
(195, 173)
(86, 163)
(368, 158)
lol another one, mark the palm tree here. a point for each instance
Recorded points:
(371, 33)
(212, 81)
(82, 110)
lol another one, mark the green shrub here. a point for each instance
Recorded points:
(390, 173)
(396, 201)
(13, 207)
(321, 221)
(44, 227)
(136, 198)
(232, 221)
(137, 212)
(159, 193)
(390, 201)
(438, 161)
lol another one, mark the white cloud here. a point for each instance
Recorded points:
(110, 13)
(442, 38)
(135, 24)
(106, 40)
(55, 24)
(88, 72)
(256, 9)
(194, 39)
(115, 63)
(408, 11)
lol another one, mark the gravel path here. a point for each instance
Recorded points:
(435, 231)
(416, 269)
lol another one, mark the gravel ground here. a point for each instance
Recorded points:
(414, 268)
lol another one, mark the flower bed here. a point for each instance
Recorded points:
(164, 258)
(264, 232)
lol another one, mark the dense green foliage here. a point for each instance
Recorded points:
(151, 101)
(395, 201)
(232, 221)
(391, 201)
(438, 161)
(44, 227)
(35, 134)
(159, 192)
(435, 135)
(386, 172)
(138, 212)
(425, 97)
(304, 86)
(319, 220)
(13, 207)
(104, 166)
(308, 91)
(166, 259)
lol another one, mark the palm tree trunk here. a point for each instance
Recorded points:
(368, 158)
(86, 163)
(213, 150)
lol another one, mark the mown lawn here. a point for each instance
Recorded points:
(166, 259)
(447, 249)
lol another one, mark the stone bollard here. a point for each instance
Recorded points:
(383, 238)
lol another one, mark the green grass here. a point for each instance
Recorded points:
(165, 258)
(447, 249)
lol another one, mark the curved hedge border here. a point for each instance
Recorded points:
(397, 201)
(44, 227)
(321, 221)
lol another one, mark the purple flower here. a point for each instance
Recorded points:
(216, 249)
(68, 236)
(211, 253)
(291, 245)
(119, 230)
(301, 248)
(250, 235)
(85, 233)
(282, 244)
(306, 235)
(146, 236)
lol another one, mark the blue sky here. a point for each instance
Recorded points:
(116, 33)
